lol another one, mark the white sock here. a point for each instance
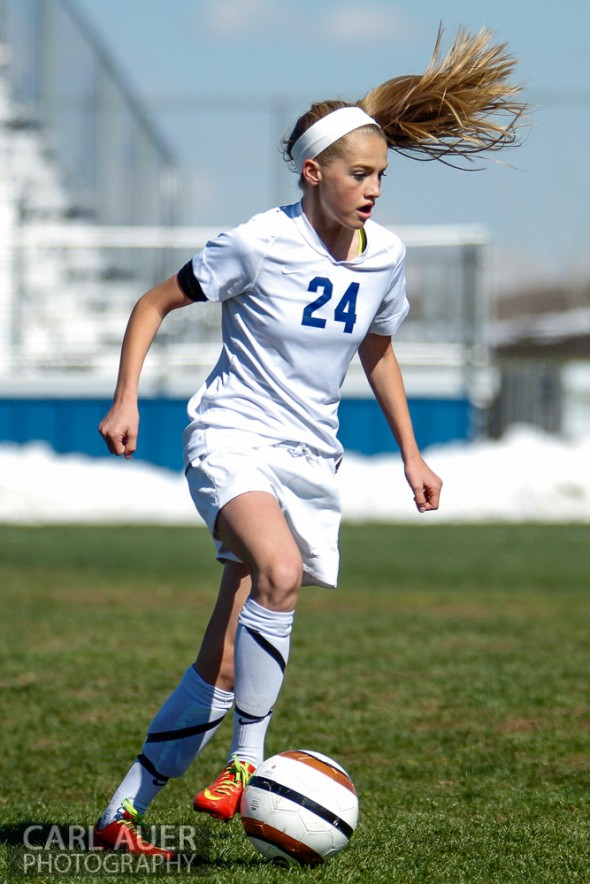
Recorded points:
(248, 737)
(179, 731)
(140, 786)
(185, 724)
(261, 655)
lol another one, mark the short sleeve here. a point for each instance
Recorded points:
(226, 266)
(395, 306)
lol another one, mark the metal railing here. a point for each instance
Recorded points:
(73, 286)
(116, 166)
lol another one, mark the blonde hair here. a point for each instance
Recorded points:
(462, 105)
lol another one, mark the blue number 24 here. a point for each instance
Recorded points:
(344, 310)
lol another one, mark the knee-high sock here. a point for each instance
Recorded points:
(185, 724)
(179, 731)
(140, 785)
(261, 655)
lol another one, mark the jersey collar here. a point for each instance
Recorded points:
(312, 239)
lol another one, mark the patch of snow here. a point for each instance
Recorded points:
(526, 476)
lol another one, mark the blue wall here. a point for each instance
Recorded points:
(436, 421)
(70, 425)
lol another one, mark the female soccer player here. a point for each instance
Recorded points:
(302, 288)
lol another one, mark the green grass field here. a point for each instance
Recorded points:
(448, 673)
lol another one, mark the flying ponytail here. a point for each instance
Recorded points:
(463, 105)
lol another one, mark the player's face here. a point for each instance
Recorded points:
(350, 185)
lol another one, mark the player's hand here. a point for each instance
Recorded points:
(425, 484)
(119, 429)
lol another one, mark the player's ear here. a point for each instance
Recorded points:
(311, 172)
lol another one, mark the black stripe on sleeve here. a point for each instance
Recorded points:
(189, 284)
(268, 647)
(182, 733)
(145, 762)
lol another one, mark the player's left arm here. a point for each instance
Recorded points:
(383, 373)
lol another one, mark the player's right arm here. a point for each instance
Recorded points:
(120, 426)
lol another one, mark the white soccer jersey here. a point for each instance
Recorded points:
(292, 319)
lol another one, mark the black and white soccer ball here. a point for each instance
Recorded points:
(299, 807)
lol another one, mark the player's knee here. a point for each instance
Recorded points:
(279, 582)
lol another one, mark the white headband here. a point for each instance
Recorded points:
(326, 131)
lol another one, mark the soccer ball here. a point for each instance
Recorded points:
(299, 807)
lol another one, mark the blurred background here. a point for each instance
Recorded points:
(131, 132)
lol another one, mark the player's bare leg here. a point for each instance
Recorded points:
(253, 526)
(215, 660)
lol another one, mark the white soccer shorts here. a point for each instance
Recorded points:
(302, 480)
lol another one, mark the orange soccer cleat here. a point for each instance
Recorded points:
(222, 798)
(127, 834)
